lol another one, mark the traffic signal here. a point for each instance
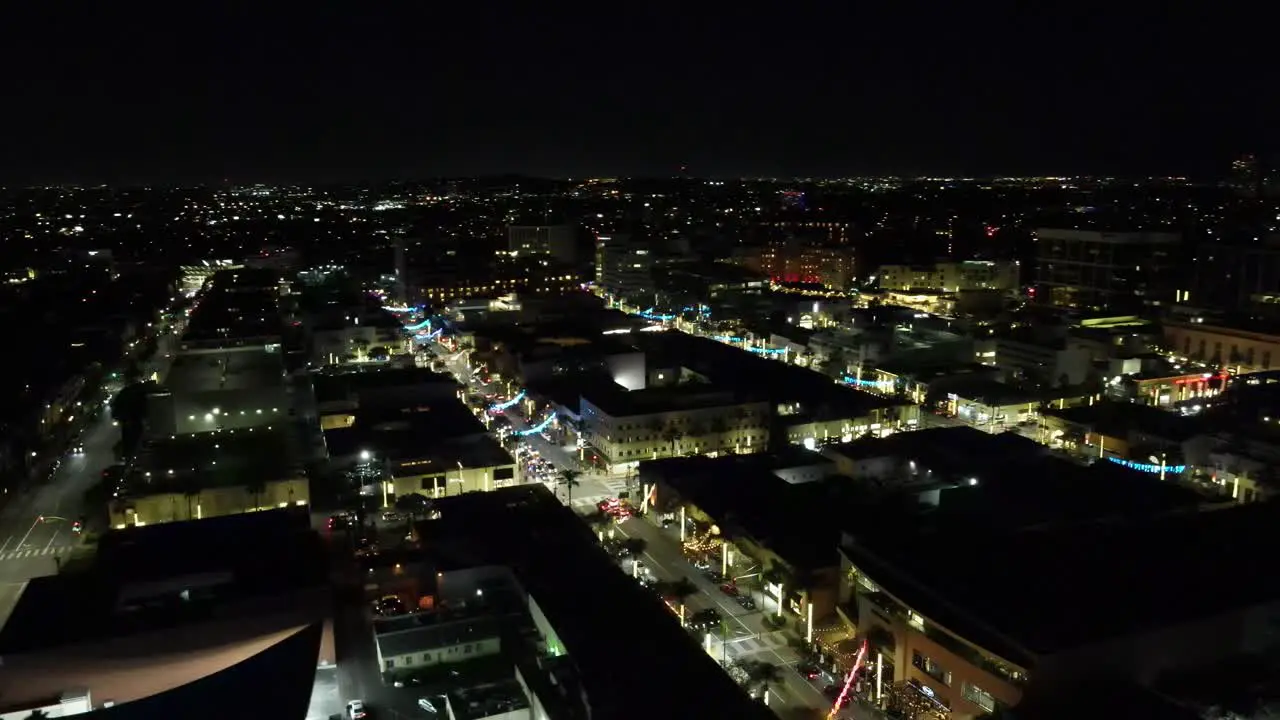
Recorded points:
(76, 527)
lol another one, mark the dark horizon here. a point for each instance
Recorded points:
(365, 96)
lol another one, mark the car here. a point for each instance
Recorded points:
(707, 619)
(809, 670)
(746, 602)
(729, 589)
(426, 704)
(356, 710)
(390, 605)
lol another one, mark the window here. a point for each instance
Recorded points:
(927, 665)
(390, 664)
(979, 697)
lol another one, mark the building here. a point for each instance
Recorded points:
(1095, 270)
(953, 277)
(539, 352)
(1235, 276)
(340, 396)
(623, 427)
(221, 389)
(187, 619)
(556, 241)
(767, 512)
(1039, 361)
(553, 556)
(1233, 349)
(207, 475)
(971, 645)
(434, 450)
(793, 261)
(356, 335)
(624, 267)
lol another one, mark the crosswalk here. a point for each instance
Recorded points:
(588, 501)
(25, 553)
(748, 646)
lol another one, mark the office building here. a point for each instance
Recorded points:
(1094, 270)
(559, 242)
(624, 267)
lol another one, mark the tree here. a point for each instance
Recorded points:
(38, 714)
(633, 546)
(255, 486)
(678, 592)
(763, 674)
(672, 434)
(570, 480)
(414, 504)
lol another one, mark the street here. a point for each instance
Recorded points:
(36, 526)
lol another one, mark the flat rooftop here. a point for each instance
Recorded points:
(1076, 583)
(798, 521)
(483, 701)
(617, 401)
(554, 555)
(1119, 419)
(156, 578)
(342, 386)
(782, 383)
(222, 371)
(214, 459)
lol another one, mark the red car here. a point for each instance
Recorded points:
(729, 589)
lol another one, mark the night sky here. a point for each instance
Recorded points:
(317, 94)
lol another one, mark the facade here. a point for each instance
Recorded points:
(199, 503)
(1236, 276)
(795, 262)
(1093, 270)
(1235, 350)
(557, 241)
(624, 266)
(1044, 364)
(627, 427)
(952, 277)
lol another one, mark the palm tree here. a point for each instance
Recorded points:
(678, 592)
(255, 487)
(672, 435)
(763, 674)
(38, 714)
(570, 480)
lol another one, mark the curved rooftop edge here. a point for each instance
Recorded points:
(274, 683)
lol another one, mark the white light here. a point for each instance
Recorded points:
(365, 455)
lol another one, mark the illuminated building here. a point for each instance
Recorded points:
(556, 241)
(952, 277)
(1232, 349)
(624, 266)
(1092, 270)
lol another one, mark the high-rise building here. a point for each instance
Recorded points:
(557, 241)
(624, 266)
(1096, 270)
(1235, 277)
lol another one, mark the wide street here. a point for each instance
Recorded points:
(743, 635)
(36, 526)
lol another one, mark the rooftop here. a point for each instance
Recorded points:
(782, 383)
(341, 386)
(617, 401)
(446, 433)
(213, 459)
(160, 577)
(1070, 576)
(482, 701)
(744, 493)
(1121, 419)
(554, 555)
(222, 371)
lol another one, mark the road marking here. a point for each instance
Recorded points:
(34, 552)
(6, 544)
(55, 537)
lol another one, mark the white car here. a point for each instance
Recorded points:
(426, 704)
(355, 710)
